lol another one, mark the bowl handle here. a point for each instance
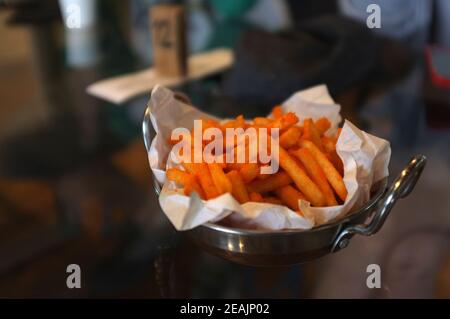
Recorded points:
(400, 188)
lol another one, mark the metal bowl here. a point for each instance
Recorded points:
(287, 247)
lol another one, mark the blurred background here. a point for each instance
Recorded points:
(75, 185)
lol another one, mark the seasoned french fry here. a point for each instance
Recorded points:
(203, 175)
(336, 161)
(277, 112)
(290, 137)
(178, 176)
(310, 173)
(284, 122)
(290, 196)
(272, 200)
(263, 176)
(223, 165)
(235, 166)
(329, 144)
(239, 190)
(239, 121)
(322, 125)
(256, 197)
(209, 123)
(299, 162)
(330, 171)
(311, 191)
(262, 121)
(247, 155)
(220, 180)
(188, 180)
(249, 171)
(310, 133)
(247, 150)
(271, 183)
(193, 186)
(317, 175)
(308, 215)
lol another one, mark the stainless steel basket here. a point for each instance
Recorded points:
(286, 247)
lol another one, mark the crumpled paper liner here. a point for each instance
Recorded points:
(365, 159)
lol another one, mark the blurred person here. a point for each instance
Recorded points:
(405, 20)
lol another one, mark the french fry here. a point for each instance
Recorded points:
(203, 175)
(309, 165)
(222, 165)
(337, 162)
(284, 122)
(189, 181)
(290, 196)
(246, 147)
(192, 155)
(206, 124)
(249, 171)
(235, 166)
(330, 171)
(317, 175)
(277, 112)
(262, 121)
(322, 125)
(249, 156)
(239, 190)
(310, 133)
(299, 163)
(256, 197)
(329, 144)
(290, 137)
(209, 123)
(272, 200)
(311, 191)
(309, 215)
(220, 180)
(271, 183)
(239, 121)
(193, 186)
(177, 175)
(263, 176)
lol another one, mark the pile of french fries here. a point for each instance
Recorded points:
(310, 168)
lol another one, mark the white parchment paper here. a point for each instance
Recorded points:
(365, 159)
